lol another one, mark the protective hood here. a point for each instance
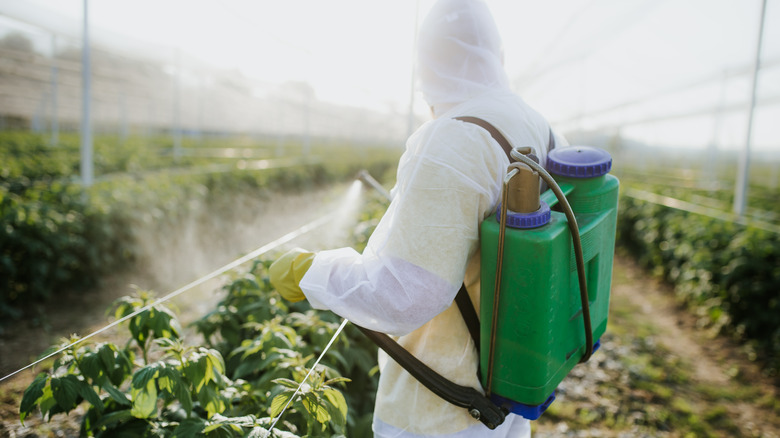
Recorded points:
(459, 53)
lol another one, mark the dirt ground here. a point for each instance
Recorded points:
(660, 373)
(712, 389)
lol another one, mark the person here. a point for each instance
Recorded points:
(426, 244)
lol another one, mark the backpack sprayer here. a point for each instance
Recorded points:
(548, 261)
(546, 269)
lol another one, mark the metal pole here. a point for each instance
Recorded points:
(410, 122)
(55, 124)
(87, 172)
(177, 109)
(740, 191)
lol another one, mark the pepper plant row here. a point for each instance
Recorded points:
(727, 272)
(57, 235)
(254, 349)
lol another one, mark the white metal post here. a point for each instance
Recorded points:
(743, 173)
(55, 123)
(87, 172)
(177, 109)
(410, 121)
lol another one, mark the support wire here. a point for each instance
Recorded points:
(232, 265)
(317, 362)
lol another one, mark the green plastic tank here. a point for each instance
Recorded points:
(540, 335)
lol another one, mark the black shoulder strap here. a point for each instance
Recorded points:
(479, 406)
(469, 314)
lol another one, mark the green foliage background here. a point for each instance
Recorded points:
(251, 352)
(56, 235)
(254, 351)
(728, 273)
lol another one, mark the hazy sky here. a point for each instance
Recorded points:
(568, 58)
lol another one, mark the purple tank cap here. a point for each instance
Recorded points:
(579, 162)
(526, 220)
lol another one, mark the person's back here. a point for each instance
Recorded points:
(449, 179)
(470, 186)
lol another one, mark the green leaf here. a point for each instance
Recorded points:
(182, 393)
(116, 395)
(123, 308)
(144, 400)
(106, 354)
(66, 391)
(92, 368)
(195, 372)
(337, 380)
(315, 408)
(87, 393)
(337, 400)
(286, 382)
(208, 370)
(122, 366)
(211, 400)
(170, 380)
(47, 402)
(32, 395)
(279, 402)
(166, 384)
(142, 377)
(216, 361)
(211, 427)
(189, 428)
(113, 417)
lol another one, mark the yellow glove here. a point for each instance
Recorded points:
(287, 271)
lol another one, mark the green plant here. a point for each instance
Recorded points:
(321, 402)
(184, 391)
(56, 235)
(727, 272)
(254, 351)
(265, 339)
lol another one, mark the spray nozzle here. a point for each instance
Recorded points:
(366, 177)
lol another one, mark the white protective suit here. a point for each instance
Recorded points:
(449, 179)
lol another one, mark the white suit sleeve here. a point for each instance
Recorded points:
(415, 260)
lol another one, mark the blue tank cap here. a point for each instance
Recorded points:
(579, 162)
(526, 220)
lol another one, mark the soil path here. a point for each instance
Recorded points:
(697, 376)
(714, 361)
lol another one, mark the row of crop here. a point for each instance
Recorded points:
(257, 350)
(253, 350)
(729, 273)
(761, 199)
(56, 235)
(29, 157)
